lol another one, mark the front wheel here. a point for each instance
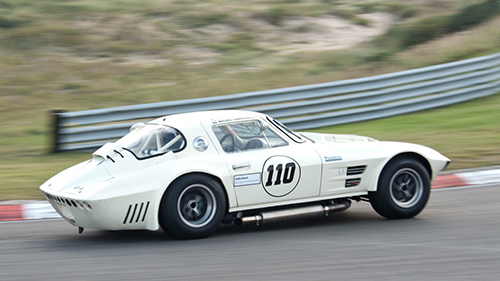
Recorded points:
(192, 207)
(403, 189)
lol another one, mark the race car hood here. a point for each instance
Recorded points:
(325, 138)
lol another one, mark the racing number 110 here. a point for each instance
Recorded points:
(281, 176)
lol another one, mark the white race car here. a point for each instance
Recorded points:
(188, 173)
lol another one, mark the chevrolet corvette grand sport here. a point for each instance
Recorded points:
(189, 173)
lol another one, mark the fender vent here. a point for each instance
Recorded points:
(136, 212)
(352, 182)
(356, 170)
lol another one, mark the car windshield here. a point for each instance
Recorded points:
(147, 140)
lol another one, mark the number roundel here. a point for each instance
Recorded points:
(280, 175)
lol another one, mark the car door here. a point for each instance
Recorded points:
(266, 167)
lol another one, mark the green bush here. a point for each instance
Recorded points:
(350, 15)
(274, 15)
(417, 32)
(200, 20)
(10, 22)
(423, 30)
(474, 14)
(407, 12)
(35, 37)
(369, 7)
(238, 41)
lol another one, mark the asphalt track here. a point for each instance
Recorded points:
(457, 237)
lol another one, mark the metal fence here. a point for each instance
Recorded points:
(302, 107)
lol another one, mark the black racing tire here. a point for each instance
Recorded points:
(192, 207)
(403, 189)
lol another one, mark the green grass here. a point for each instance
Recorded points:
(78, 55)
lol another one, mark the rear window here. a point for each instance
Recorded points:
(148, 140)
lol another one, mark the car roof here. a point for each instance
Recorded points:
(184, 120)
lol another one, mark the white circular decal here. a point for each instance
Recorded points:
(280, 175)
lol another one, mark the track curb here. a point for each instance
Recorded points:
(21, 210)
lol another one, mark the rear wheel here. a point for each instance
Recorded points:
(192, 207)
(403, 189)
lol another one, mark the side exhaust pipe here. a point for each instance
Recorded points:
(296, 213)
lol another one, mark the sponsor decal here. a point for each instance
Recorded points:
(249, 179)
(280, 175)
(332, 158)
(226, 120)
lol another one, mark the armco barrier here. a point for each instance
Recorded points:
(302, 107)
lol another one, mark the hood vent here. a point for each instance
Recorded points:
(136, 212)
(356, 170)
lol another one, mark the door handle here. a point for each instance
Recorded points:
(236, 167)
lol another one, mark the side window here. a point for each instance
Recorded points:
(246, 136)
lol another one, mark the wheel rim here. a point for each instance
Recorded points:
(406, 188)
(196, 205)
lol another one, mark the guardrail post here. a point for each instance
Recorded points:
(56, 129)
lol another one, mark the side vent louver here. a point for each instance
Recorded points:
(356, 170)
(352, 182)
(136, 212)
